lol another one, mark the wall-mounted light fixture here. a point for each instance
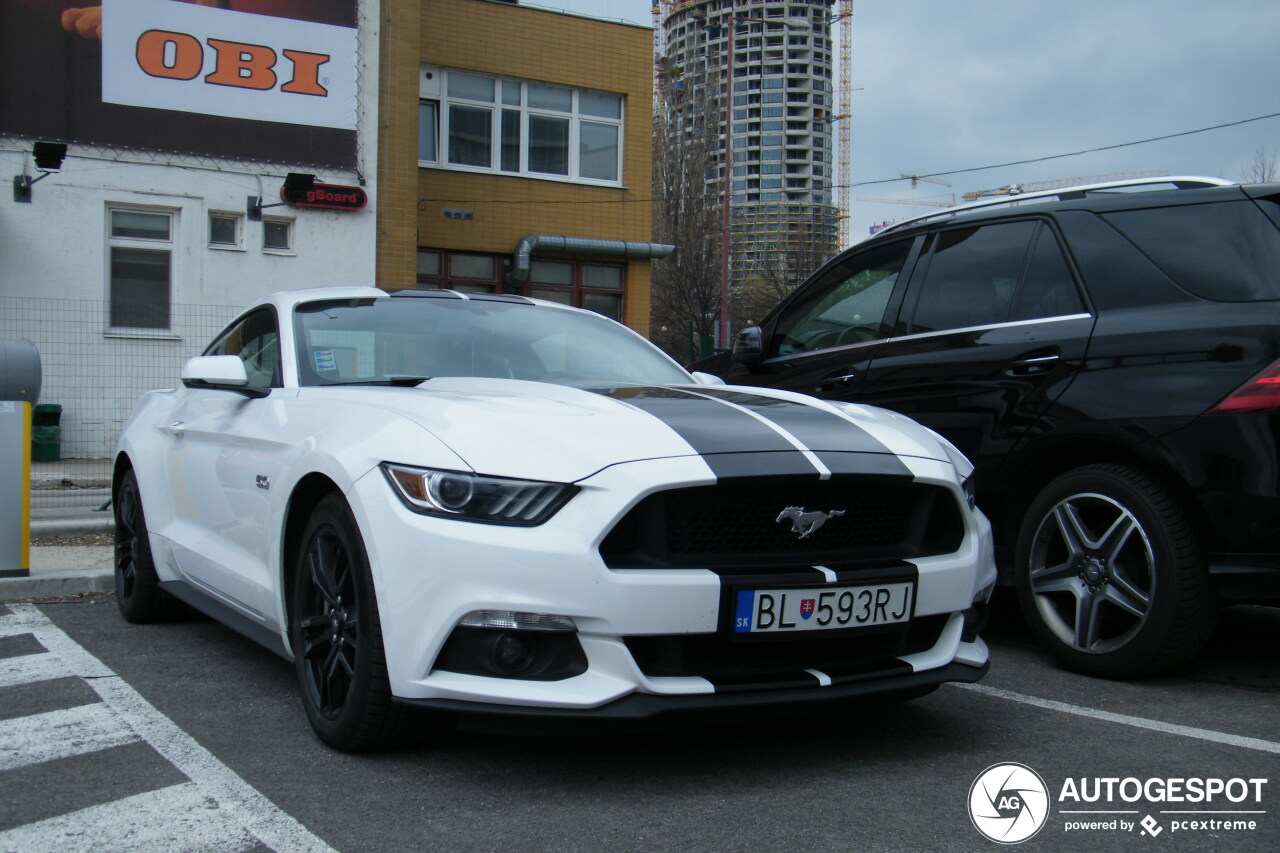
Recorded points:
(292, 181)
(48, 157)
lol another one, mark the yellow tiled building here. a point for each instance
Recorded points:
(515, 154)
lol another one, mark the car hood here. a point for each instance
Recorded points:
(559, 433)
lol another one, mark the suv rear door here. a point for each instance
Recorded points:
(992, 330)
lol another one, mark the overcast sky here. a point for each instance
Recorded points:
(957, 84)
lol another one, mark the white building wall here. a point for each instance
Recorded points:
(54, 260)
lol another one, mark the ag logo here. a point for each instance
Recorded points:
(1008, 803)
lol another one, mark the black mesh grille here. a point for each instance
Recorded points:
(736, 523)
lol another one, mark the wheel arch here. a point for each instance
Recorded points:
(1036, 468)
(306, 495)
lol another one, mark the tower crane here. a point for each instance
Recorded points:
(844, 72)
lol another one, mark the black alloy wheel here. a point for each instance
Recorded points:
(337, 638)
(138, 590)
(1111, 574)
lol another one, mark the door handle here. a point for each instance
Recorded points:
(1029, 366)
(176, 427)
(835, 383)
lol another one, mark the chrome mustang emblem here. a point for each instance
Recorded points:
(804, 522)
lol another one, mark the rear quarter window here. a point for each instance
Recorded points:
(1224, 251)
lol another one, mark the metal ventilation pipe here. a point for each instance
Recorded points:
(583, 246)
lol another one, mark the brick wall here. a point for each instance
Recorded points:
(527, 44)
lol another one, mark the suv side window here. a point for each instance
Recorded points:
(1047, 290)
(257, 342)
(971, 276)
(846, 305)
(1225, 251)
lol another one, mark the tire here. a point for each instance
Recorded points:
(337, 638)
(1111, 575)
(137, 585)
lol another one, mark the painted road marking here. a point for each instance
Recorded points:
(28, 669)
(60, 734)
(218, 787)
(1126, 720)
(175, 818)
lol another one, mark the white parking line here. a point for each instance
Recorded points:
(1126, 720)
(218, 785)
(175, 818)
(38, 738)
(28, 669)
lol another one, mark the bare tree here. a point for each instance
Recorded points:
(686, 214)
(1261, 168)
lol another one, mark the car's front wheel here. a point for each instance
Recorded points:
(337, 636)
(1111, 575)
(138, 590)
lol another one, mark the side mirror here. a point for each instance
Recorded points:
(707, 378)
(219, 372)
(748, 347)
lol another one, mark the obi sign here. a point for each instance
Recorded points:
(178, 56)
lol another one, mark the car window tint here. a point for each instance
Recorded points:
(971, 276)
(1226, 251)
(257, 342)
(1047, 289)
(846, 305)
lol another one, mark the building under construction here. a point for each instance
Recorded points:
(775, 137)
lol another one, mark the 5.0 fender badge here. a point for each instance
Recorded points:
(262, 481)
(804, 522)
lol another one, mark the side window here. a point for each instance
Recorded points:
(1048, 289)
(257, 342)
(971, 276)
(846, 306)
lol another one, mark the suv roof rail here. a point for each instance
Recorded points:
(1181, 182)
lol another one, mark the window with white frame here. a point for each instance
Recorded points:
(277, 235)
(481, 123)
(224, 230)
(140, 249)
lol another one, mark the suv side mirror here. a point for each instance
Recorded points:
(748, 347)
(219, 372)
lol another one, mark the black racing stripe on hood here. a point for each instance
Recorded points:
(709, 426)
(813, 427)
(878, 464)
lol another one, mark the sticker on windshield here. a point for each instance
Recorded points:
(325, 361)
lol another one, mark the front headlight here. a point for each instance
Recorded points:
(472, 497)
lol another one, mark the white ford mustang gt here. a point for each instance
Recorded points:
(458, 503)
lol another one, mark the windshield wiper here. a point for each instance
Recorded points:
(395, 381)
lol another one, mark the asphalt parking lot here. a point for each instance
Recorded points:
(184, 736)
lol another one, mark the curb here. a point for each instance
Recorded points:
(42, 528)
(58, 584)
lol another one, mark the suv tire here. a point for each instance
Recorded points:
(1111, 575)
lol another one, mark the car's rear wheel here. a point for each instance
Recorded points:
(137, 585)
(337, 637)
(1111, 575)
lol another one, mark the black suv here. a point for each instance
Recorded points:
(1109, 358)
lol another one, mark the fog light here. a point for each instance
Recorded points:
(512, 653)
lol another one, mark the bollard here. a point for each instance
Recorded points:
(19, 389)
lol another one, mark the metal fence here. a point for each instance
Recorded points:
(97, 374)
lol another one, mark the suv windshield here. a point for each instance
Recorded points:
(397, 340)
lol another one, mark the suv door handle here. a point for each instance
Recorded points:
(834, 383)
(1030, 366)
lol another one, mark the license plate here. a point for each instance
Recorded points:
(760, 611)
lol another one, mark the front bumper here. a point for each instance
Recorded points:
(429, 573)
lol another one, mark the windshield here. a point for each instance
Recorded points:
(397, 340)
